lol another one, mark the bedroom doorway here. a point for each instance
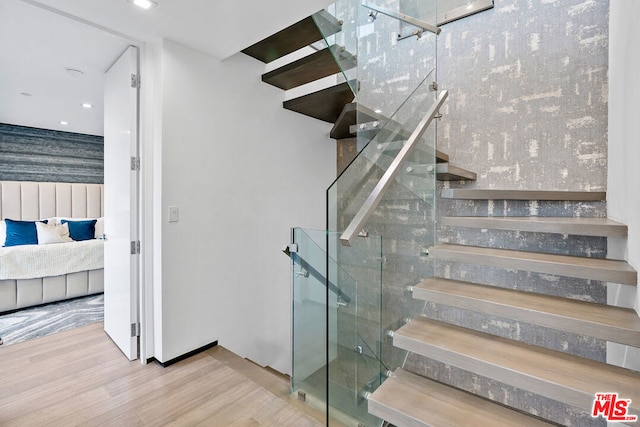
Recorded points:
(57, 62)
(121, 184)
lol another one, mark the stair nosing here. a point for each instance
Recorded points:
(449, 172)
(311, 61)
(566, 378)
(617, 324)
(580, 226)
(293, 103)
(257, 52)
(493, 194)
(608, 270)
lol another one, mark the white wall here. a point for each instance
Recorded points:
(242, 171)
(623, 194)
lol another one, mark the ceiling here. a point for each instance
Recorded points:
(40, 39)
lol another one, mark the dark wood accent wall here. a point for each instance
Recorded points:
(33, 154)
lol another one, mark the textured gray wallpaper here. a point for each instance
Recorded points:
(527, 110)
(32, 154)
(528, 94)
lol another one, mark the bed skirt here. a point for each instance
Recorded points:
(21, 293)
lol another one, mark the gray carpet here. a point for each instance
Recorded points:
(48, 319)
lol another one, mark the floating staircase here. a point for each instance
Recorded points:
(407, 399)
(333, 104)
(542, 374)
(325, 104)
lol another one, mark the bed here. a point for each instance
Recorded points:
(36, 274)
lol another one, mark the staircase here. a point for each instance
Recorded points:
(529, 373)
(511, 333)
(334, 104)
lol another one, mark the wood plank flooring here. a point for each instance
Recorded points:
(79, 377)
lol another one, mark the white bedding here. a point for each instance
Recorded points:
(32, 261)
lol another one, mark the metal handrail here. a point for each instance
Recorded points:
(352, 230)
(402, 17)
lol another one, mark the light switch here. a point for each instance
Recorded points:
(174, 214)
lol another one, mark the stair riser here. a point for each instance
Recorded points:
(594, 230)
(566, 287)
(552, 339)
(549, 320)
(558, 244)
(541, 208)
(560, 196)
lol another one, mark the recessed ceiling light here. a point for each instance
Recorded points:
(63, 123)
(73, 72)
(144, 4)
(25, 94)
(87, 105)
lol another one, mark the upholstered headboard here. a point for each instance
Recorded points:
(30, 201)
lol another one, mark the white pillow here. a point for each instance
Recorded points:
(3, 233)
(99, 223)
(52, 233)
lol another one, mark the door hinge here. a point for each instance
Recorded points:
(135, 247)
(135, 329)
(135, 163)
(135, 81)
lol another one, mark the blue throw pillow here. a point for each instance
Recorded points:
(81, 230)
(21, 232)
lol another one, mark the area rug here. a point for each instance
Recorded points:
(48, 319)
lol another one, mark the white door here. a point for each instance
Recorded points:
(120, 203)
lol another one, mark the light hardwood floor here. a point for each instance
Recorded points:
(79, 377)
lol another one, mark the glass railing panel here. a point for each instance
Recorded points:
(309, 318)
(393, 80)
(357, 339)
(336, 24)
(353, 186)
(316, 299)
(392, 66)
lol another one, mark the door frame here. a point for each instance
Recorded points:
(149, 195)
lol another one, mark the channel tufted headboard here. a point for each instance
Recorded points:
(30, 201)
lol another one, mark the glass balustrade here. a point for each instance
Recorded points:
(317, 304)
(366, 284)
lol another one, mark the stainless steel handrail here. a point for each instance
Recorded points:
(352, 230)
(402, 17)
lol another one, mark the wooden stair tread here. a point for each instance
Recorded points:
(296, 36)
(600, 227)
(477, 194)
(309, 68)
(325, 104)
(621, 325)
(559, 376)
(441, 157)
(406, 399)
(449, 172)
(607, 270)
(349, 115)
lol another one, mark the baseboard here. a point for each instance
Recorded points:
(186, 355)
